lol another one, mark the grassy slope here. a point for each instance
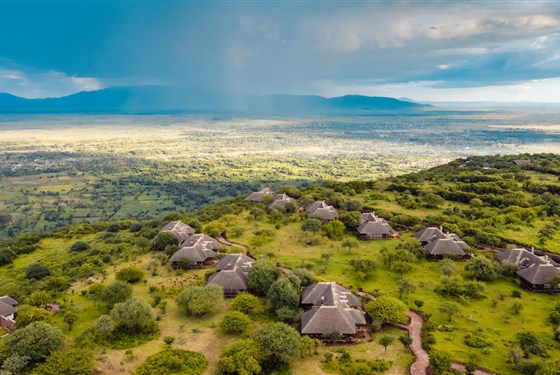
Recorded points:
(492, 315)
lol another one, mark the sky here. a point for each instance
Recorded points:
(424, 50)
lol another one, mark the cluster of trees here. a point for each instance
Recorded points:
(269, 348)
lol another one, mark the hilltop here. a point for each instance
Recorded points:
(490, 202)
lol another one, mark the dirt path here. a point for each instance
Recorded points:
(415, 331)
(422, 358)
(222, 238)
(460, 367)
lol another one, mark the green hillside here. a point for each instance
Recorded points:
(488, 201)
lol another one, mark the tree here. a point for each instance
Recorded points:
(235, 322)
(116, 293)
(305, 276)
(96, 291)
(29, 314)
(200, 300)
(104, 326)
(285, 292)
(6, 256)
(387, 309)
(308, 346)
(433, 200)
(350, 219)
(483, 269)
(71, 362)
(242, 357)
(405, 287)
(386, 340)
(70, 318)
(363, 267)
(163, 240)
(36, 341)
(334, 230)
(245, 303)
(79, 246)
(449, 309)
(352, 205)
(133, 316)
(447, 267)
(312, 225)
(39, 298)
(287, 315)
(547, 233)
(37, 271)
(261, 276)
(419, 303)
(440, 362)
(530, 343)
(130, 274)
(350, 243)
(279, 340)
(515, 355)
(516, 307)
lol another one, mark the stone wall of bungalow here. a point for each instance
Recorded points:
(8, 322)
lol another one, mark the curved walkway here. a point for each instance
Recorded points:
(222, 238)
(422, 358)
(415, 332)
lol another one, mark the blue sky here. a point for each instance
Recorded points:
(426, 50)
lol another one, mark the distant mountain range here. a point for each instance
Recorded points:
(153, 99)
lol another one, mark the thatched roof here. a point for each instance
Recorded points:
(230, 279)
(231, 261)
(322, 210)
(534, 269)
(329, 293)
(281, 200)
(258, 196)
(429, 234)
(323, 320)
(233, 272)
(539, 274)
(522, 258)
(444, 246)
(181, 230)
(371, 224)
(6, 309)
(194, 254)
(521, 162)
(203, 240)
(9, 300)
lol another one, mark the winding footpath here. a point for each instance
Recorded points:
(415, 332)
(422, 358)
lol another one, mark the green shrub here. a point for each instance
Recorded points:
(79, 246)
(173, 361)
(475, 340)
(131, 274)
(235, 322)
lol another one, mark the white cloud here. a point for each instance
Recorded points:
(32, 84)
(537, 91)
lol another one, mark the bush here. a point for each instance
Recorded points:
(37, 271)
(80, 246)
(245, 302)
(131, 274)
(173, 361)
(199, 300)
(475, 340)
(235, 322)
